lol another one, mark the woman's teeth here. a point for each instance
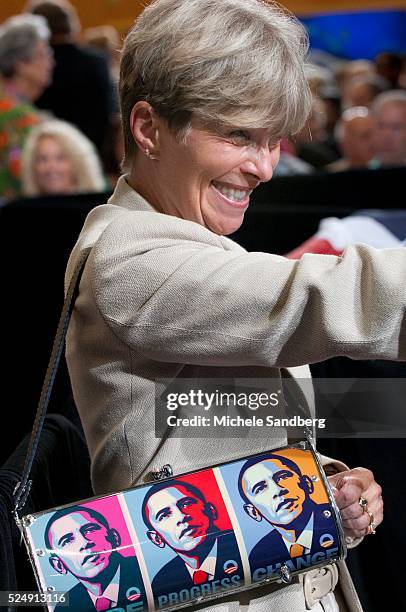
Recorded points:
(237, 195)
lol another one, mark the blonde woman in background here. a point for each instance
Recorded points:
(59, 159)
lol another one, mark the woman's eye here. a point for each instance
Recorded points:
(240, 136)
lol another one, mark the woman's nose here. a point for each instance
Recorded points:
(262, 162)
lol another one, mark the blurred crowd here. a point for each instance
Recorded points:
(59, 126)
(60, 129)
(358, 118)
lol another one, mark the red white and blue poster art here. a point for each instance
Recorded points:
(188, 542)
(187, 538)
(282, 512)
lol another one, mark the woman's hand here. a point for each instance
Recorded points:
(348, 488)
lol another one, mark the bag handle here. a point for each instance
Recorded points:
(23, 487)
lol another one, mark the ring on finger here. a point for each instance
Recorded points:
(363, 502)
(371, 518)
(372, 528)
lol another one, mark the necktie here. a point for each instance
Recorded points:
(102, 604)
(199, 577)
(296, 550)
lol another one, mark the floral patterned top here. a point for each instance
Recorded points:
(17, 117)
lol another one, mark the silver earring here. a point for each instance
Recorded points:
(149, 155)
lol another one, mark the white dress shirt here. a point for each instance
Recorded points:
(111, 591)
(208, 565)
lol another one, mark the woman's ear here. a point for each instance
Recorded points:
(144, 124)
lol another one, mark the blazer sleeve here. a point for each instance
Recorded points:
(179, 300)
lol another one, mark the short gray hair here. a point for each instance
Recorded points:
(19, 36)
(234, 62)
(394, 96)
(81, 152)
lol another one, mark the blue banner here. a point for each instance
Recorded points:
(358, 34)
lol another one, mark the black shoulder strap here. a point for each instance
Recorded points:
(23, 487)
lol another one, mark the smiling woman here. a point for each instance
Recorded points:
(59, 160)
(220, 170)
(207, 90)
(237, 87)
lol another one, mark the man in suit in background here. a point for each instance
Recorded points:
(82, 543)
(177, 515)
(274, 489)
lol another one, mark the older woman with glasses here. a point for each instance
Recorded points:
(208, 89)
(25, 70)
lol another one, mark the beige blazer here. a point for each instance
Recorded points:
(161, 297)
